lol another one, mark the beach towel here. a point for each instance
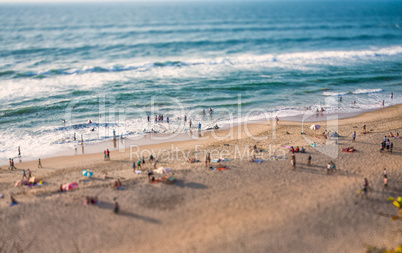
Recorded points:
(220, 160)
(69, 186)
(258, 160)
(138, 171)
(346, 151)
(222, 168)
(157, 180)
(169, 180)
(14, 203)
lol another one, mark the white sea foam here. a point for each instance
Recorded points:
(366, 91)
(330, 93)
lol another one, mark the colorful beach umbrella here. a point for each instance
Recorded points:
(87, 173)
(163, 170)
(315, 127)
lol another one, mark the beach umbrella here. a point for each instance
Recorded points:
(315, 127)
(33, 180)
(163, 170)
(87, 173)
(69, 186)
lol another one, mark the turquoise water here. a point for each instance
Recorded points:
(114, 64)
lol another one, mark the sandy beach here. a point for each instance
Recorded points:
(250, 207)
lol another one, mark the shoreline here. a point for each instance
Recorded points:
(184, 139)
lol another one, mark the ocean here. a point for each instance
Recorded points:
(62, 65)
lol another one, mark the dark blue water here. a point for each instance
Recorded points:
(117, 63)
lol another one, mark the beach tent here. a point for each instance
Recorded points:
(87, 173)
(335, 134)
(315, 127)
(163, 170)
(69, 186)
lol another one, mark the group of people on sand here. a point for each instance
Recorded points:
(331, 167)
(106, 154)
(391, 135)
(386, 144)
(139, 165)
(12, 165)
(297, 150)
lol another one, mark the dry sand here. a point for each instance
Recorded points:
(252, 207)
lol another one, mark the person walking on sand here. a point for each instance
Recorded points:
(354, 136)
(116, 206)
(365, 187)
(9, 161)
(277, 120)
(39, 163)
(385, 181)
(139, 164)
(364, 127)
(309, 160)
(24, 174)
(293, 160)
(29, 174)
(12, 165)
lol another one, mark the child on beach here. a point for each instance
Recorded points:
(309, 160)
(39, 164)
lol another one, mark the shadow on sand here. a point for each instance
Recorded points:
(109, 206)
(193, 185)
